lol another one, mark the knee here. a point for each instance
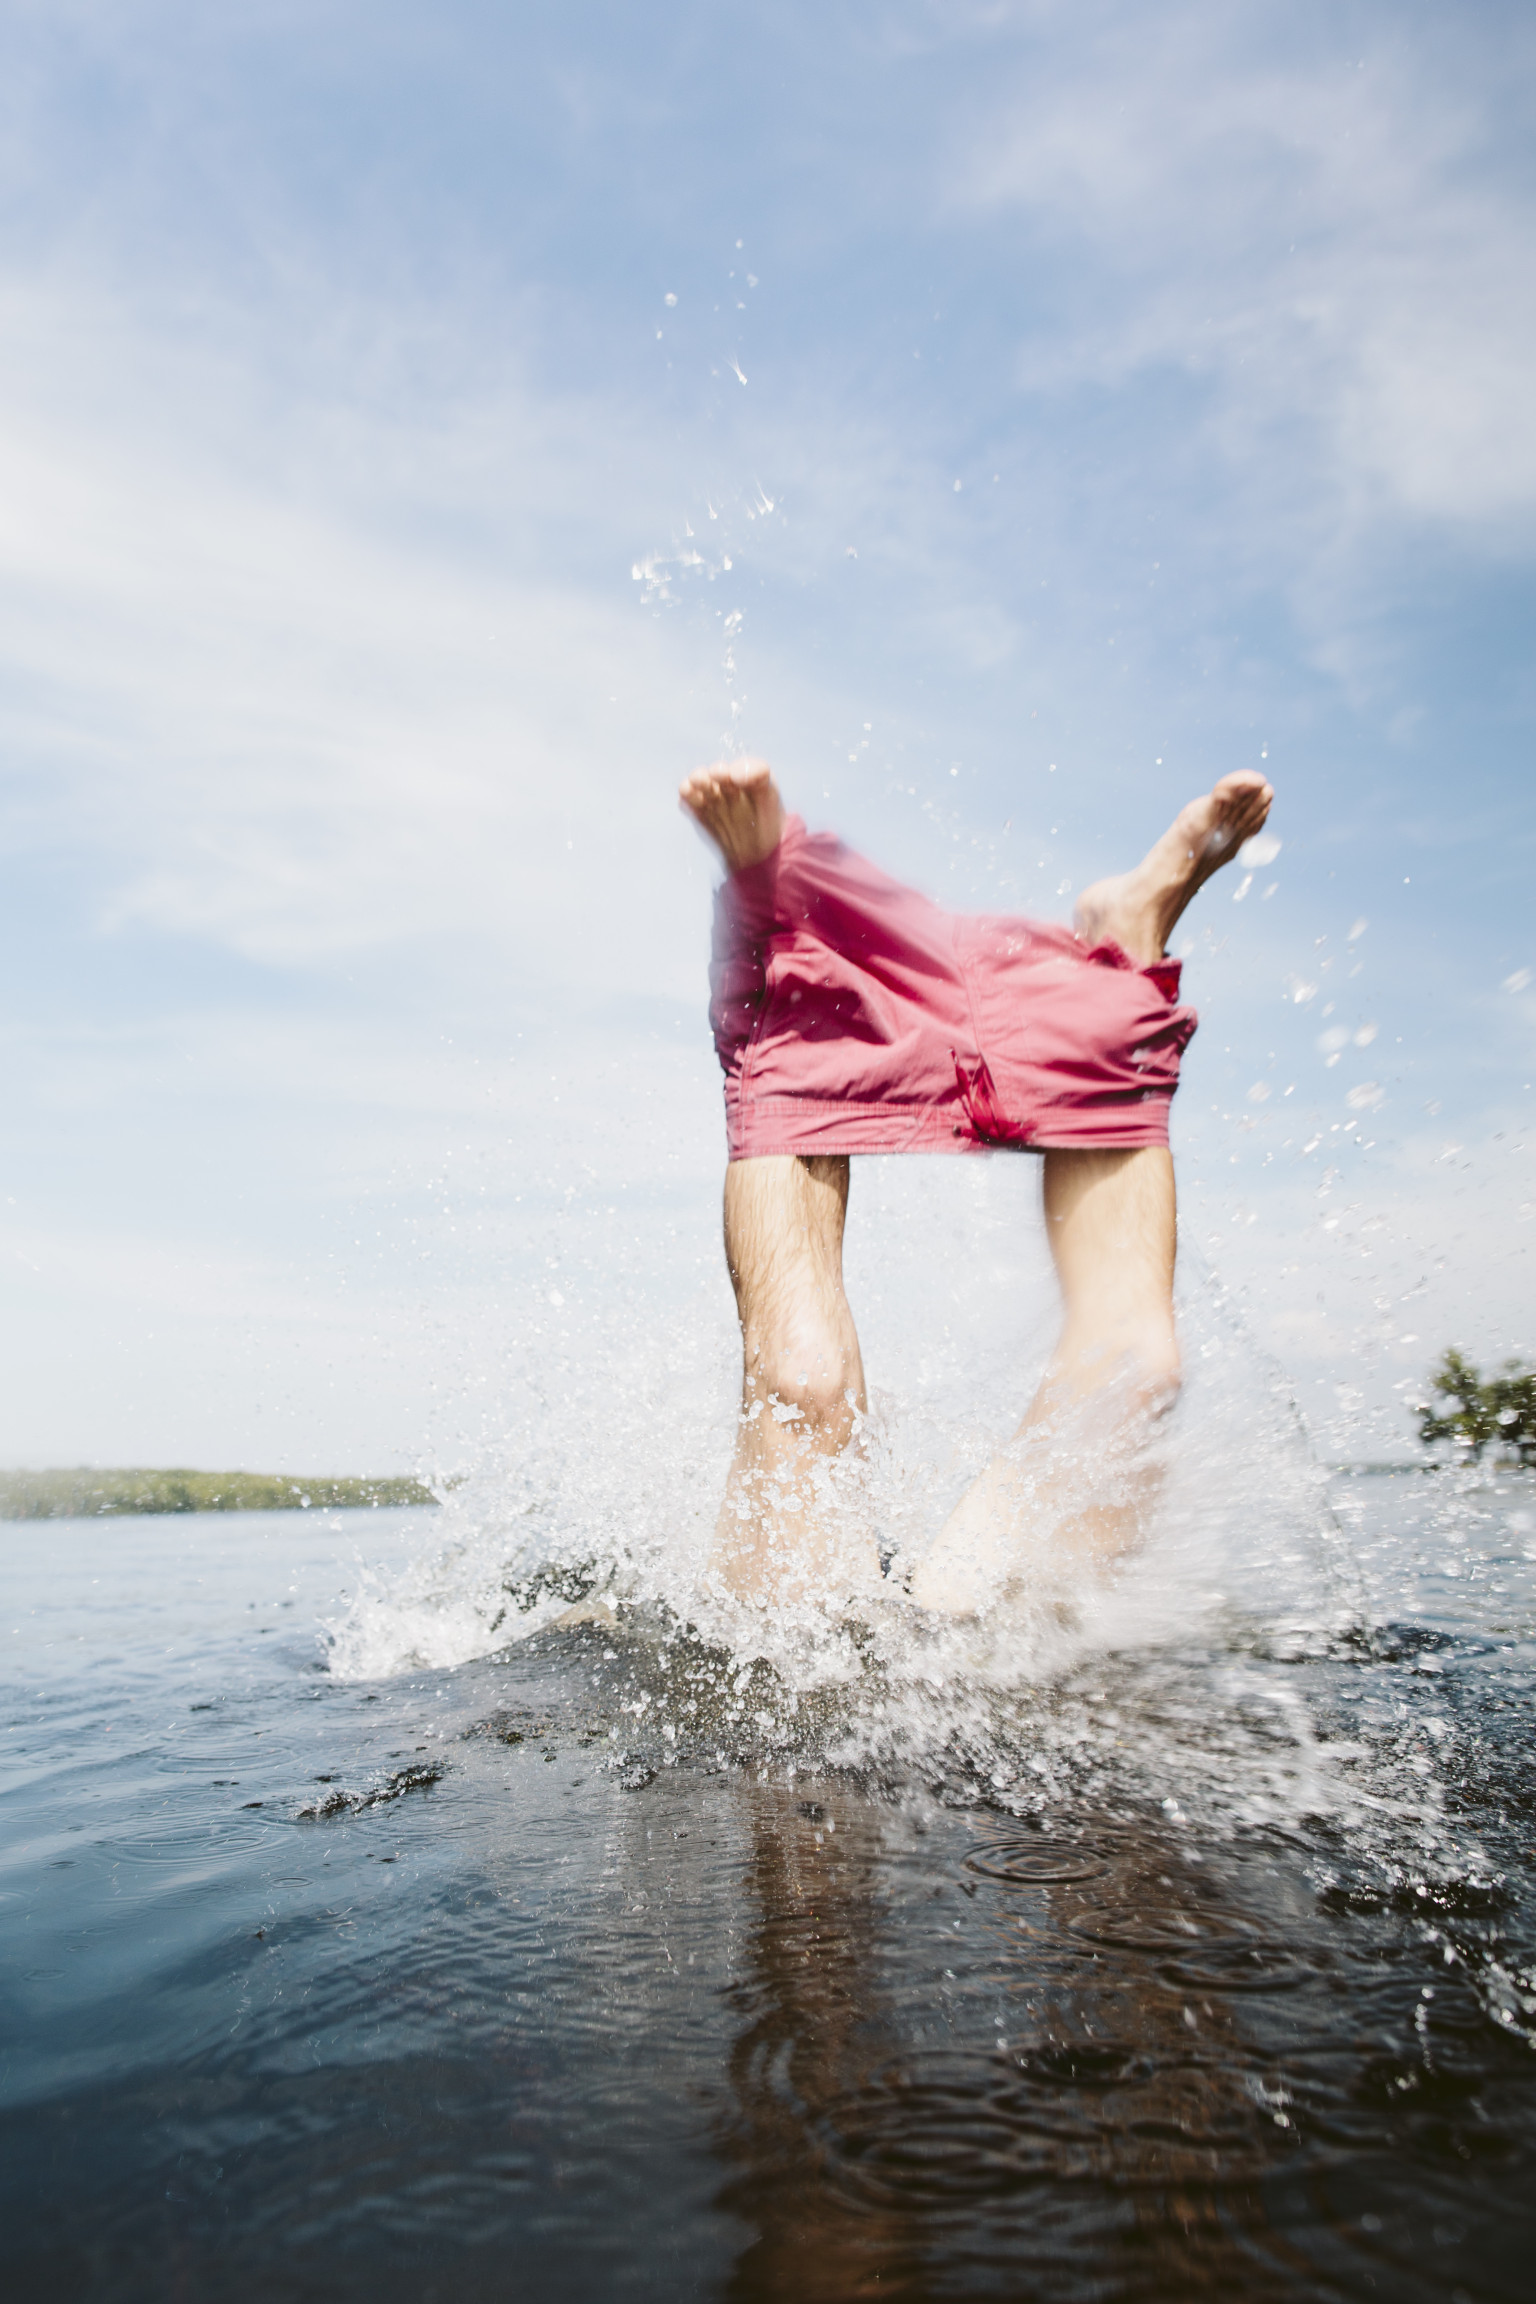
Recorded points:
(818, 1397)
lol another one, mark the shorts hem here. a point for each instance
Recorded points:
(805, 1126)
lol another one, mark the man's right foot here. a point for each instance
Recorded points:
(1137, 910)
(737, 803)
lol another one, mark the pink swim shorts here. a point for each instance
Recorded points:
(853, 1015)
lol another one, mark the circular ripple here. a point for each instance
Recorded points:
(1247, 1966)
(1034, 1861)
(1127, 1928)
(935, 2146)
(983, 2128)
(192, 1844)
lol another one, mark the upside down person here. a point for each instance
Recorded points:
(853, 1015)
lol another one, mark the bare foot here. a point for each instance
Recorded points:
(1137, 910)
(737, 803)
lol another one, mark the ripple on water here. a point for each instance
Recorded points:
(1259, 1965)
(1130, 1928)
(950, 2130)
(1035, 1861)
(196, 1847)
(1190, 1942)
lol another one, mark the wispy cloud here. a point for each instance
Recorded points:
(290, 711)
(1334, 243)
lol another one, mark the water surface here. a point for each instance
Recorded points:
(579, 1969)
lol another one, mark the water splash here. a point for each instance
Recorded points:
(1279, 1658)
(602, 1491)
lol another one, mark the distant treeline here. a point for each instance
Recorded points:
(85, 1493)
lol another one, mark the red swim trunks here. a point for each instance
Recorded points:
(853, 1015)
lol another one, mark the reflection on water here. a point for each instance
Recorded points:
(1131, 2066)
(1198, 1969)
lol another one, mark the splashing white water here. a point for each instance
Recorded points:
(606, 1479)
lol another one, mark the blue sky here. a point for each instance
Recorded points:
(423, 434)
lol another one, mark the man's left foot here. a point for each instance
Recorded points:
(1137, 910)
(737, 803)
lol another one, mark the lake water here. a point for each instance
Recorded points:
(1198, 1959)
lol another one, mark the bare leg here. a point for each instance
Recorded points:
(1074, 1479)
(779, 1536)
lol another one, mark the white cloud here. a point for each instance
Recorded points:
(306, 679)
(1331, 242)
(296, 726)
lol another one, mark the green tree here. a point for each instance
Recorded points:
(1476, 1413)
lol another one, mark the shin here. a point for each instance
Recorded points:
(1077, 1475)
(778, 1536)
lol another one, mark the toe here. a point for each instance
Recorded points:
(1239, 784)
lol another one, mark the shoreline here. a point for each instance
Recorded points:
(87, 1493)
